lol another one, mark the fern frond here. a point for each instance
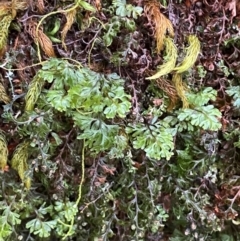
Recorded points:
(170, 60)
(34, 91)
(191, 56)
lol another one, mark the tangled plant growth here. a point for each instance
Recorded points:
(119, 120)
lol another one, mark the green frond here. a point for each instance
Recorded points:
(191, 56)
(170, 60)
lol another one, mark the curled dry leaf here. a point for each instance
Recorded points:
(46, 44)
(5, 9)
(41, 38)
(18, 5)
(70, 16)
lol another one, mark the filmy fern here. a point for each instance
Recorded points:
(126, 10)
(91, 99)
(234, 91)
(156, 139)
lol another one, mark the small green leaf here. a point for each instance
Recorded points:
(156, 140)
(58, 99)
(206, 117)
(202, 97)
(57, 138)
(13, 218)
(234, 91)
(86, 6)
(42, 229)
(121, 11)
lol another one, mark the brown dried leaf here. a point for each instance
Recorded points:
(46, 44)
(41, 38)
(40, 6)
(98, 5)
(108, 169)
(70, 16)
